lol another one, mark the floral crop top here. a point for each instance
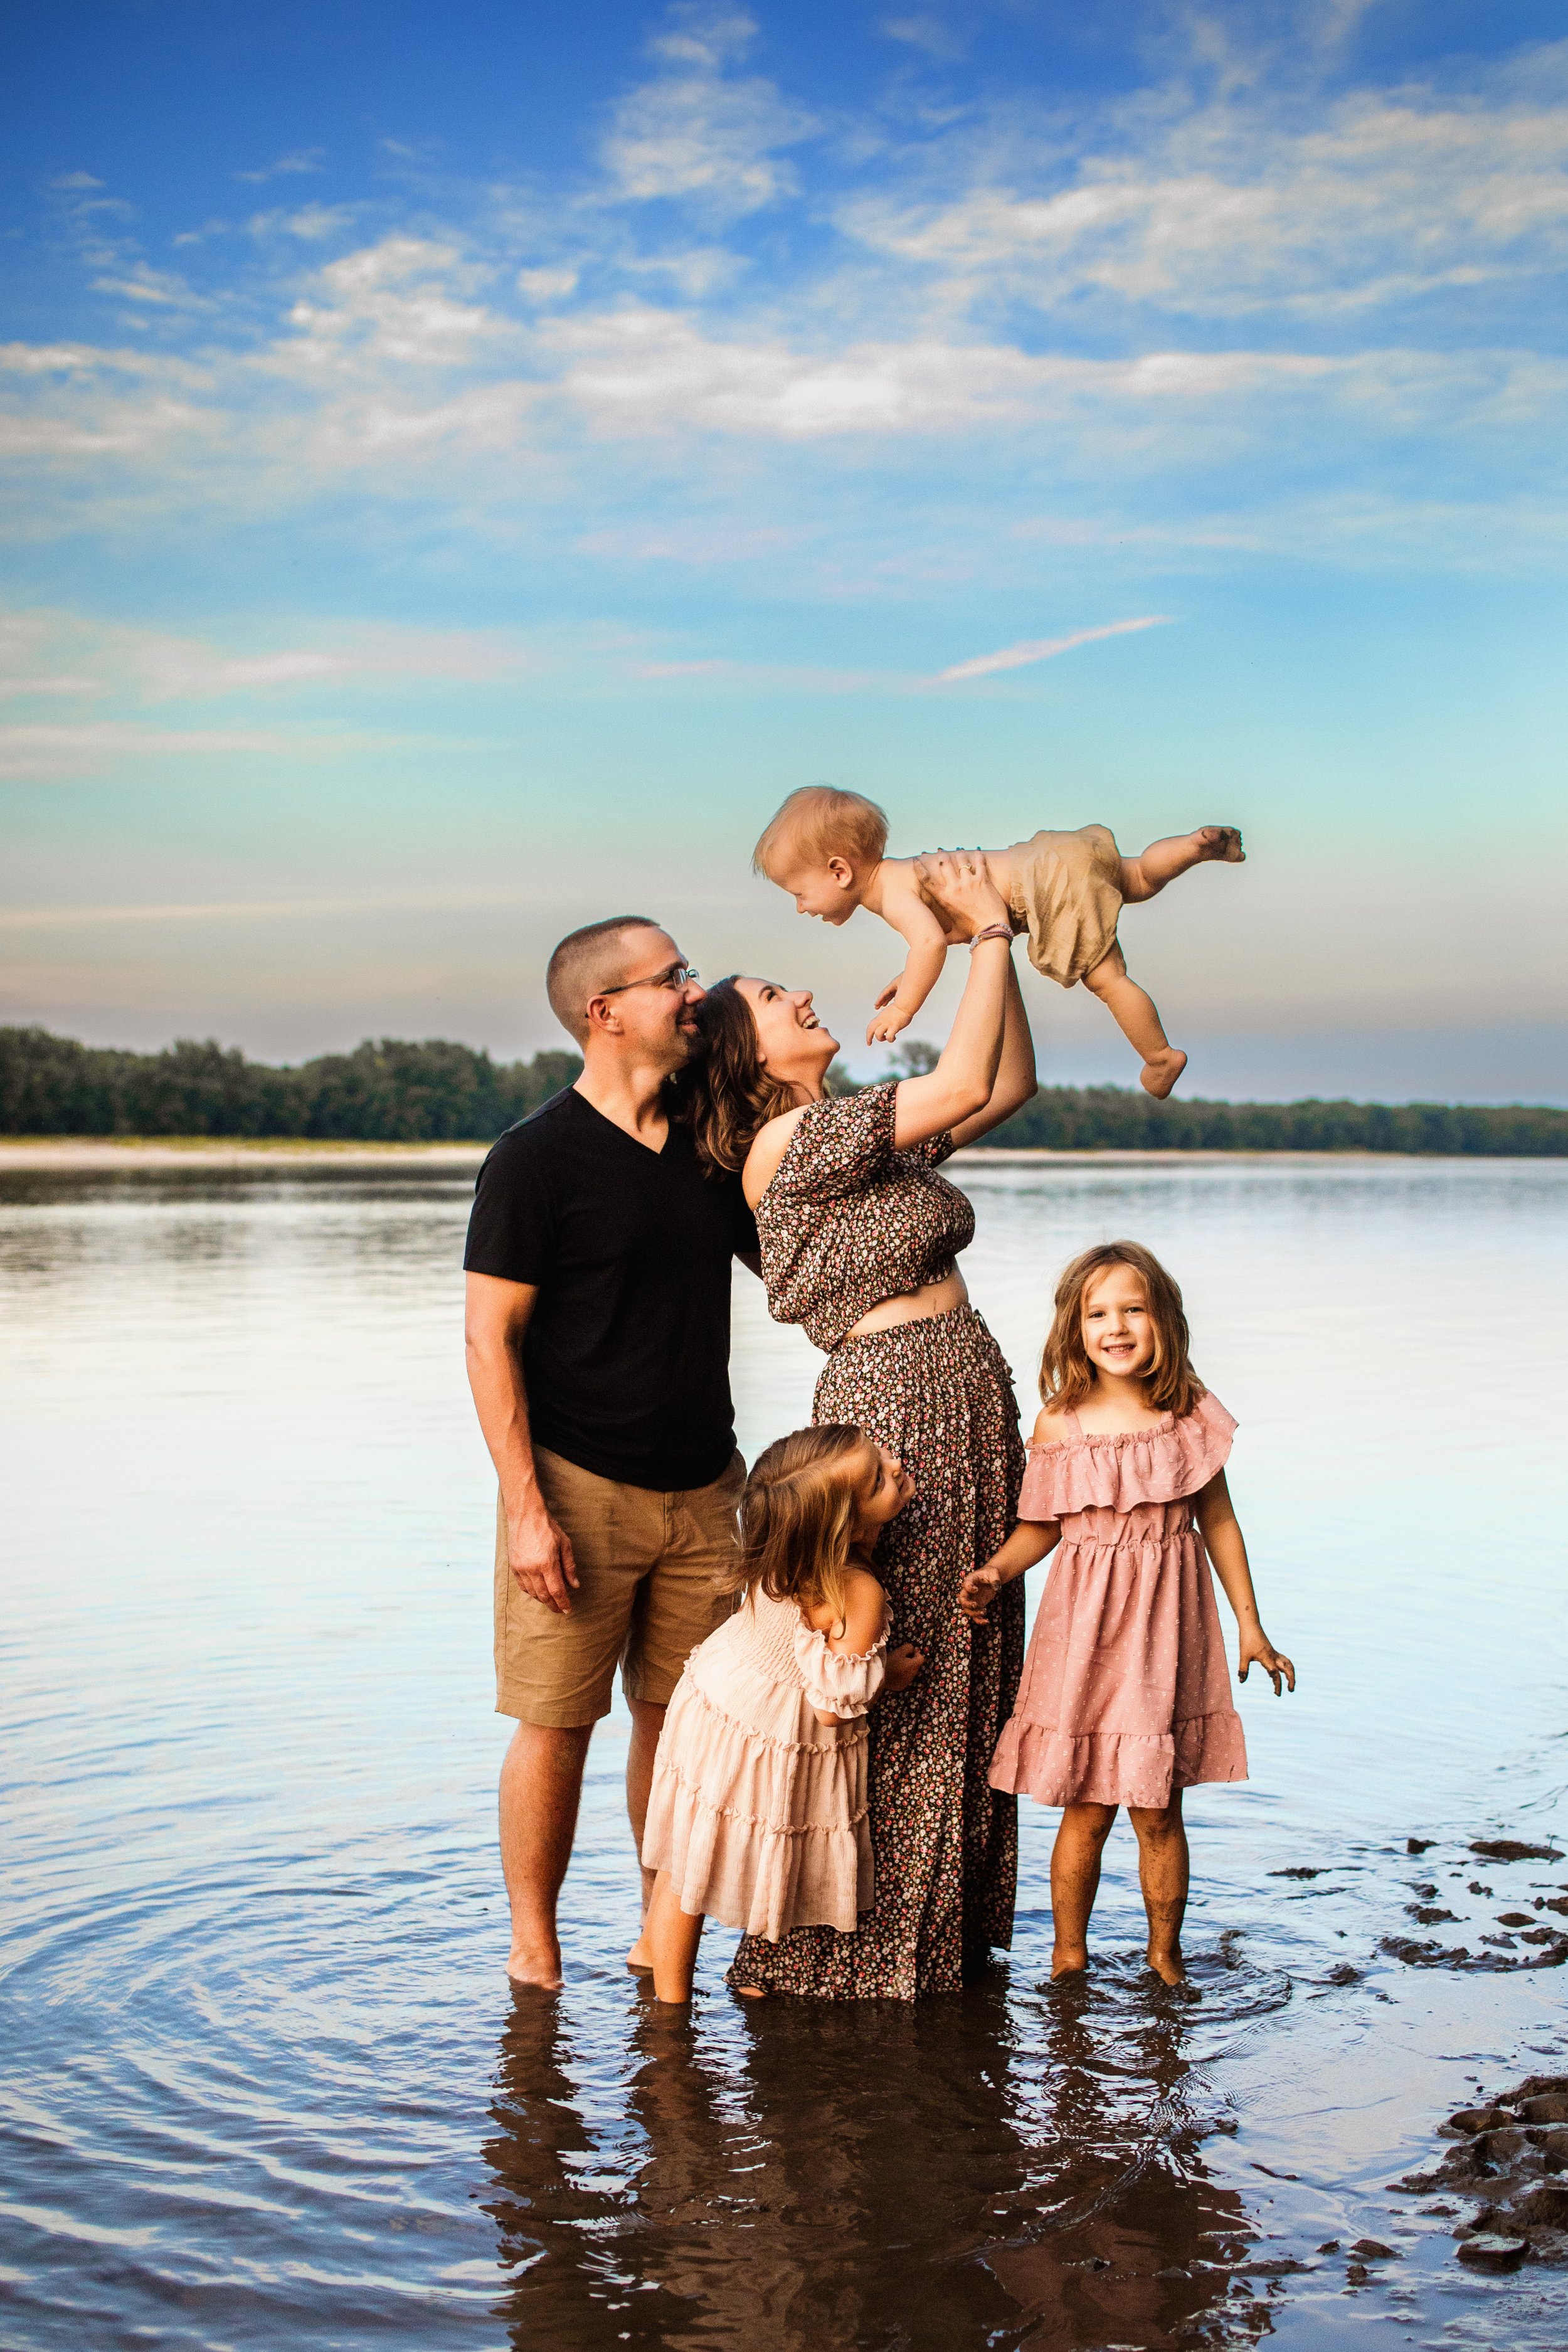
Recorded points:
(849, 1220)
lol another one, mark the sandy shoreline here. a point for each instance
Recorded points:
(110, 1155)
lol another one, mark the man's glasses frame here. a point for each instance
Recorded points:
(675, 975)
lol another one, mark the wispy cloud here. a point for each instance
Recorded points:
(1038, 649)
(297, 160)
(697, 132)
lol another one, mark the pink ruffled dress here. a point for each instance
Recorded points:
(1126, 1688)
(757, 1810)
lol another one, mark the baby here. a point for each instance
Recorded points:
(1064, 889)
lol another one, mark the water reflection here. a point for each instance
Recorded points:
(974, 2170)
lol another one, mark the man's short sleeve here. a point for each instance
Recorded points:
(746, 1242)
(511, 1226)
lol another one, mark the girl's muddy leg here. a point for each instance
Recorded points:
(1132, 1009)
(1162, 1874)
(1075, 1882)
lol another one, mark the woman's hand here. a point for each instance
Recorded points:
(958, 883)
(903, 1664)
(1258, 1650)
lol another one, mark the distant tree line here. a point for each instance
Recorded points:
(387, 1091)
(384, 1092)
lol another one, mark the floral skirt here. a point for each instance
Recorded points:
(939, 1394)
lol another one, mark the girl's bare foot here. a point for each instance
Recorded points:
(1159, 1073)
(1221, 840)
(1168, 1966)
(638, 1959)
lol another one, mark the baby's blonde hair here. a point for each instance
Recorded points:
(799, 1516)
(819, 821)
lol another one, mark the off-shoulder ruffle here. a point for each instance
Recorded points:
(841, 1685)
(1116, 1472)
(1118, 1768)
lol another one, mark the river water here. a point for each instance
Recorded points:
(265, 2085)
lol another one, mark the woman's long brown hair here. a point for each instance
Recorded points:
(1067, 1376)
(729, 1094)
(798, 1518)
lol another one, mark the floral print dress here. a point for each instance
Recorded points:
(849, 1221)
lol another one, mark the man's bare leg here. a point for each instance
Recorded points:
(1075, 1882)
(1132, 1009)
(541, 1783)
(647, 1722)
(1145, 876)
(1162, 1870)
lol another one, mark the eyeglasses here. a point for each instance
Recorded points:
(677, 976)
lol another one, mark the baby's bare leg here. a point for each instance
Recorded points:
(673, 1935)
(1132, 1009)
(1162, 1874)
(1143, 877)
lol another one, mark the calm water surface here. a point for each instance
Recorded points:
(265, 2085)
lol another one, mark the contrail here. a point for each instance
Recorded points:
(1035, 649)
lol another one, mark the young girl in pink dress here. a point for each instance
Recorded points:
(1125, 1698)
(757, 1814)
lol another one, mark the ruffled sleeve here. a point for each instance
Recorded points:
(1087, 1472)
(840, 1145)
(843, 1687)
(934, 1151)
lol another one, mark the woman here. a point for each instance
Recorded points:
(859, 1238)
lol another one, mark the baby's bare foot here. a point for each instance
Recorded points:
(1159, 1073)
(1221, 840)
(1168, 1966)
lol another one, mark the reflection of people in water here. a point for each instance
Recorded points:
(929, 2173)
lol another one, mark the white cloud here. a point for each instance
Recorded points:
(44, 752)
(927, 31)
(697, 133)
(1039, 649)
(297, 160)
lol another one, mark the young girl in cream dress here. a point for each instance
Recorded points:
(757, 1815)
(1125, 1698)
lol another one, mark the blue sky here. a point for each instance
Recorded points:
(465, 464)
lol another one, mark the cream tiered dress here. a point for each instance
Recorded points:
(758, 1811)
(1126, 1688)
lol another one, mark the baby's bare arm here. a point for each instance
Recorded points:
(896, 896)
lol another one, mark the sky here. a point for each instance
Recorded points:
(464, 465)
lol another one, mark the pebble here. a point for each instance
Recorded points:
(1492, 2253)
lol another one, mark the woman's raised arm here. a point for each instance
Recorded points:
(964, 1082)
(1015, 1081)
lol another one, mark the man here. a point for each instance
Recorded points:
(598, 1341)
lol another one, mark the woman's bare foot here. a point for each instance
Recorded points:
(1168, 1966)
(753, 1992)
(535, 1967)
(1159, 1073)
(1221, 840)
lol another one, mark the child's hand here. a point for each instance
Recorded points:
(903, 1664)
(979, 1589)
(887, 1024)
(1258, 1650)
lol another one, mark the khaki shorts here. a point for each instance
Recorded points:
(647, 1565)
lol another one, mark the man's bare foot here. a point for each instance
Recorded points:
(1160, 1074)
(1221, 840)
(1168, 1966)
(536, 1966)
(1069, 1964)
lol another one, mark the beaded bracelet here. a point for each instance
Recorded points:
(992, 931)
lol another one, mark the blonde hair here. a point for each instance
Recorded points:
(797, 1518)
(1067, 1376)
(819, 822)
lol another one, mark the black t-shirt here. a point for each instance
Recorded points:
(626, 1354)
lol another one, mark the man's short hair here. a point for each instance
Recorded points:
(819, 821)
(584, 962)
